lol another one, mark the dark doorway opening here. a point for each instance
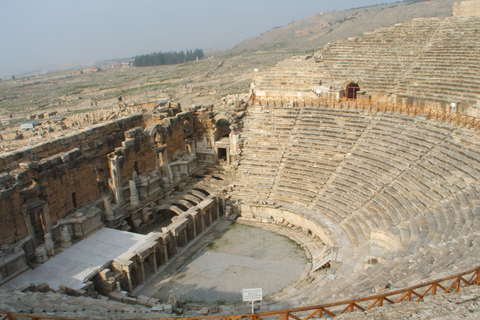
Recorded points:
(223, 128)
(222, 154)
(37, 226)
(352, 90)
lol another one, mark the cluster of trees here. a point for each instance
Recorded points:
(161, 58)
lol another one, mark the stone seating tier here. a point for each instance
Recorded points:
(62, 305)
(434, 58)
(411, 178)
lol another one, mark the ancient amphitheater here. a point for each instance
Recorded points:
(370, 149)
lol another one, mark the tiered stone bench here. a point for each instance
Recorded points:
(433, 58)
(400, 192)
(432, 61)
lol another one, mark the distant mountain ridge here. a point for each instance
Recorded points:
(317, 30)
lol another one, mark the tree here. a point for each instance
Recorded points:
(160, 58)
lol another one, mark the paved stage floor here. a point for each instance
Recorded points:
(233, 258)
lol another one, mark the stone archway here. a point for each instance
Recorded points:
(223, 128)
(351, 90)
(165, 216)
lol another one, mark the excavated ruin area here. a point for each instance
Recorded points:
(241, 257)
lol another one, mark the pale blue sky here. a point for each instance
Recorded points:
(40, 33)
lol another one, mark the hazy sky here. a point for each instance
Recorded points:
(40, 33)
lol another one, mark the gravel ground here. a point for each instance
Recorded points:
(242, 257)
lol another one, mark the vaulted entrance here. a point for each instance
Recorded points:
(352, 90)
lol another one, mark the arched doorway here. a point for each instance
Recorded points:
(223, 128)
(352, 90)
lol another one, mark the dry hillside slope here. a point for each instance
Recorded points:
(318, 29)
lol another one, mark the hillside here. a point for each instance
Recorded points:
(318, 29)
(208, 81)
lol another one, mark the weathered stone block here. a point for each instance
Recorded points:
(167, 308)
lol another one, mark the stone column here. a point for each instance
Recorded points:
(202, 219)
(129, 278)
(109, 214)
(154, 260)
(210, 216)
(28, 223)
(165, 251)
(224, 205)
(217, 209)
(194, 227)
(233, 140)
(134, 199)
(175, 246)
(193, 148)
(185, 236)
(115, 178)
(47, 220)
(142, 269)
(166, 165)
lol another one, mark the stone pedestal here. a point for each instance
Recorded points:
(65, 238)
(108, 213)
(83, 222)
(12, 263)
(177, 176)
(41, 254)
(49, 245)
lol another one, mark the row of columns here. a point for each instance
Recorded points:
(186, 228)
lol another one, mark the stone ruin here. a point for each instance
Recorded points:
(49, 125)
(123, 174)
(395, 197)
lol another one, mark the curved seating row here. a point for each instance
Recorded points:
(403, 190)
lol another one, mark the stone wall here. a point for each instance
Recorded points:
(51, 181)
(94, 140)
(67, 173)
(466, 8)
(65, 181)
(114, 174)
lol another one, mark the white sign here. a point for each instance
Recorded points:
(254, 294)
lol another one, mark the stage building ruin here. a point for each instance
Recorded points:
(125, 174)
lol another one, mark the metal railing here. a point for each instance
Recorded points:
(415, 293)
(374, 106)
